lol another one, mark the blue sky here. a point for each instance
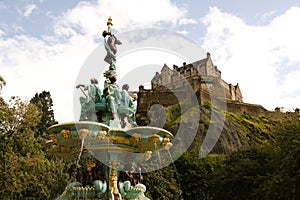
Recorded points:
(43, 43)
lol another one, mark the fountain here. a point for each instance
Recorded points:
(106, 144)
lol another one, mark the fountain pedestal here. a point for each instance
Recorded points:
(89, 143)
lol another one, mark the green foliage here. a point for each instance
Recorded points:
(268, 167)
(258, 130)
(2, 83)
(207, 105)
(173, 113)
(25, 171)
(284, 181)
(271, 171)
(195, 175)
(44, 103)
(180, 112)
(242, 175)
(251, 123)
(162, 184)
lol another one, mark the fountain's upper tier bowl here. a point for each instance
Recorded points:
(66, 138)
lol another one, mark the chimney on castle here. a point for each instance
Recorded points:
(208, 55)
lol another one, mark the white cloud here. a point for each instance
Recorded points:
(127, 15)
(1, 33)
(29, 9)
(255, 55)
(3, 6)
(183, 32)
(269, 14)
(186, 21)
(11, 28)
(31, 65)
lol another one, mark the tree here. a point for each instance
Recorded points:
(162, 184)
(44, 103)
(2, 83)
(242, 175)
(25, 171)
(195, 174)
(284, 181)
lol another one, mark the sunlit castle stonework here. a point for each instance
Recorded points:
(107, 146)
(206, 82)
(203, 76)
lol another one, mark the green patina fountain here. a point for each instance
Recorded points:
(106, 144)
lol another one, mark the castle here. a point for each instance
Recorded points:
(201, 75)
(205, 81)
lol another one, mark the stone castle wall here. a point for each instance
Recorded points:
(207, 84)
(147, 98)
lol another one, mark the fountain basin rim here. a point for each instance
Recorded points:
(78, 123)
(97, 124)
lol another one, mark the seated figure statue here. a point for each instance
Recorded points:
(133, 108)
(129, 103)
(112, 96)
(92, 95)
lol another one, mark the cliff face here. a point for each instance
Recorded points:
(237, 131)
(242, 130)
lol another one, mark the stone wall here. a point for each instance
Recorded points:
(207, 84)
(259, 111)
(147, 98)
(166, 98)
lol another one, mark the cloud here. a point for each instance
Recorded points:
(29, 9)
(2, 33)
(269, 14)
(90, 18)
(256, 56)
(31, 65)
(186, 21)
(183, 32)
(3, 6)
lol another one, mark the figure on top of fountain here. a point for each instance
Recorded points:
(110, 44)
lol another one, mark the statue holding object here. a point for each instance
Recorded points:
(110, 44)
(106, 107)
(92, 96)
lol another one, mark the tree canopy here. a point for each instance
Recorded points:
(26, 171)
(44, 103)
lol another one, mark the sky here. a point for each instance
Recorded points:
(44, 43)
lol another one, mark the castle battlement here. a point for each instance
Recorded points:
(201, 75)
(204, 77)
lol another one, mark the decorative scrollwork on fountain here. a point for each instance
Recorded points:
(65, 134)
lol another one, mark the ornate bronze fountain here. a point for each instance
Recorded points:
(106, 144)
